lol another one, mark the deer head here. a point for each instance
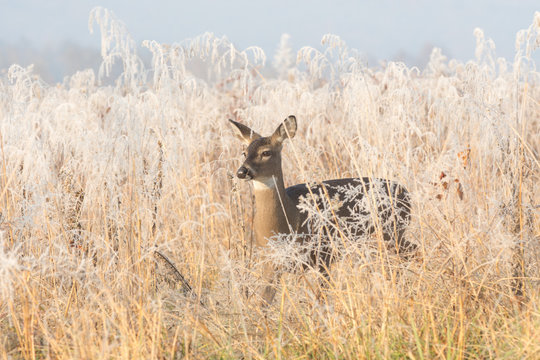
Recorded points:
(263, 155)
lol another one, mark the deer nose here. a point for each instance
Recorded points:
(242, 172)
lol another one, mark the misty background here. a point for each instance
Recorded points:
(54, 35)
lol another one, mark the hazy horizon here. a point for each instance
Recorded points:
(55, 35)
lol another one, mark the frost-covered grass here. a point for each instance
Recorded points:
(95, 178)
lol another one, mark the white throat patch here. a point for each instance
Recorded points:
(264, 184)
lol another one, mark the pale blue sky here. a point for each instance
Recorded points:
(380, 29)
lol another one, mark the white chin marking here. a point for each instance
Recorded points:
(264, 184)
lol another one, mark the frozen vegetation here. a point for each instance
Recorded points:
(124, 234)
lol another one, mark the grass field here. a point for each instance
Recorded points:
(96, 178)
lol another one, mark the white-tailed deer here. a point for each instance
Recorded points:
(354, 206)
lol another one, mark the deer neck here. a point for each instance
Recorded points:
(275, 213)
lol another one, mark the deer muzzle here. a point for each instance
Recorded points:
(244, 173)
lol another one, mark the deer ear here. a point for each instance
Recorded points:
(244, 133)
(286, 130)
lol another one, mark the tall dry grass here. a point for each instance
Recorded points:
(95, 179)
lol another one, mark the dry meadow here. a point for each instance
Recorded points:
(125, 235)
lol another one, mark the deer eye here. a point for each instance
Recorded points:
(266, 153)
(244, 154)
